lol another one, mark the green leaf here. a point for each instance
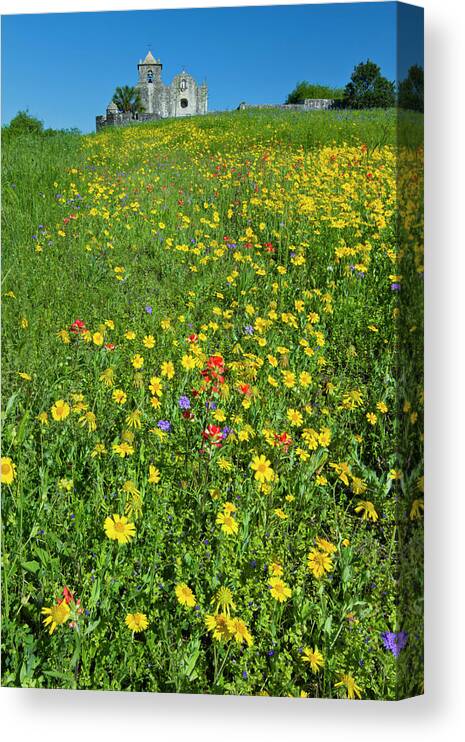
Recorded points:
(91, 627)
(42, 554)
(95, 593)
(192, 661)
(76, 655)
(9, 405)
(31, 566)
(22, 428)
(328, 624)
(346, 574)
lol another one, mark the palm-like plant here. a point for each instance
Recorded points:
(128, 99)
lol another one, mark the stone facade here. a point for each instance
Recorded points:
(183, 97)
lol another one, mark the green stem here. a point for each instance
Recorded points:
(218, 674)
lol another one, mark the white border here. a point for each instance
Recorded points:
(31, 714)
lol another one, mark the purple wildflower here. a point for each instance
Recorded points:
(184, 403)
(148, 309)
(395, 286)
(248, 329)
(394, 642)
(164, 425)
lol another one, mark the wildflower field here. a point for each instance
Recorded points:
(212, 394)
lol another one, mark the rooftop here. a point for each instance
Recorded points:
(149, 59)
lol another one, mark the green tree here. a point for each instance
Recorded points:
(368, 89)
(306, 89)
(128, 99)
(23, 123)
(411, 94)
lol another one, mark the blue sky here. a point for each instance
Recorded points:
(64, 68)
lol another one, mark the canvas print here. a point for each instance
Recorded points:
(212, 351)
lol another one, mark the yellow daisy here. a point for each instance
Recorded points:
(60, 410)
(185, 595)
(279, 590)
(119, 529)
(319, 562)
(8, 470)
(368, 509)
(228, 523)
(314, 658)
(220, 626)
(136, 622)
(349, 683)
(56, 615)
(240, 631)
(262, 469)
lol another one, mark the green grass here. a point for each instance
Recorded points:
(221, 224)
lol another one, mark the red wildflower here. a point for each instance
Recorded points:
(213, 435)
(77, 326)
(245, 389)
(68, 595)
(216, 363)
(284, 440)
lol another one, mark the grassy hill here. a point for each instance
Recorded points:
(212, 330)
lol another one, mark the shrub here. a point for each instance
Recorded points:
(23, 123)
(305, 90)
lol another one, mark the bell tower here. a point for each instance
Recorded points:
(149, 80)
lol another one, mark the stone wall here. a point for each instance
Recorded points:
(124, 119)
(309, 104)
(318, 104)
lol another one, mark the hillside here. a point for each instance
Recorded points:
(212, 356)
